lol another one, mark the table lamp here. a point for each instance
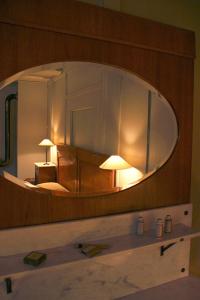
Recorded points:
(46, 143)
(115, 163)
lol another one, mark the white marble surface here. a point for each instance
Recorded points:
(67, 254)
(187, 288)
(31, 238)
(111, 276)
(104, 277)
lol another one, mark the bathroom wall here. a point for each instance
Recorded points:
(184, 14)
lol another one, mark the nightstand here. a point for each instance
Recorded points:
(45, 173)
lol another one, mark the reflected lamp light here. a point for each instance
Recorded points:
(115, 163)
(125, 173)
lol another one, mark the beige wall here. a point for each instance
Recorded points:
(185, 14)
(32, 118)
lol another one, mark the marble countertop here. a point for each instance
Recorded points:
(13, 264)
(185, 289)
(132, 265)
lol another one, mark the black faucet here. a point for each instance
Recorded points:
(8, 283)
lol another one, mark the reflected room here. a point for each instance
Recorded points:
(99, 113)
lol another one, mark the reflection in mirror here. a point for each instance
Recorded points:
(90, 106)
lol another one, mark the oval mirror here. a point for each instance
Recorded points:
(96, 111)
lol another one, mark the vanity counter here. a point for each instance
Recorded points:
(130, 265)
(184, 289)
(68, 254)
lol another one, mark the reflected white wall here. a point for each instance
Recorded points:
(134, 121)
(163, 131)
(31, 127)
(118, 101)
(56, 95)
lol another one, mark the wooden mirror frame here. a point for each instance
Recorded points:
(32, 35)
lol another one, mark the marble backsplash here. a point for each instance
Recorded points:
(101, 278)
(26, 239)
(105, 277)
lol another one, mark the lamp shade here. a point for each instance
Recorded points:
(46, 142)
(115, 162)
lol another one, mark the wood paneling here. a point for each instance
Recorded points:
(76, 18)
(160, 54)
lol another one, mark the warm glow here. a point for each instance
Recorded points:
(53, 154)
(129, 177)
(46, 142)
(115, 162)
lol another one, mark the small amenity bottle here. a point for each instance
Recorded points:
(159, 228)
(168, 224)
(140, 226)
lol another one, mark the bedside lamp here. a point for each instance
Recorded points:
(115, 163)
(127, 172)
(46, 143)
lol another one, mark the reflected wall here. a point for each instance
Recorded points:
(95, 107)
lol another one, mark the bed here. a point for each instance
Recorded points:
(78, 174)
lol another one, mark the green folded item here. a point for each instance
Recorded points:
(84, 245)
(91, 250)
(35, 258)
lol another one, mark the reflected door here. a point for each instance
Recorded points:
(93, 109)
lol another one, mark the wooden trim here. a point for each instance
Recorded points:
(169, 69)
(22, 206)
(100, 24)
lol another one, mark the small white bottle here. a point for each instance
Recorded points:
(168, 224)
(140, 226)
(159, 228)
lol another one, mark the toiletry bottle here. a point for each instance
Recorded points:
(140, 226)
(159, 228)
(168, 224)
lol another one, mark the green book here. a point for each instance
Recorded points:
(90, 252)
(35, 258)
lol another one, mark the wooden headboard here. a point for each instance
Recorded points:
(78, 170)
